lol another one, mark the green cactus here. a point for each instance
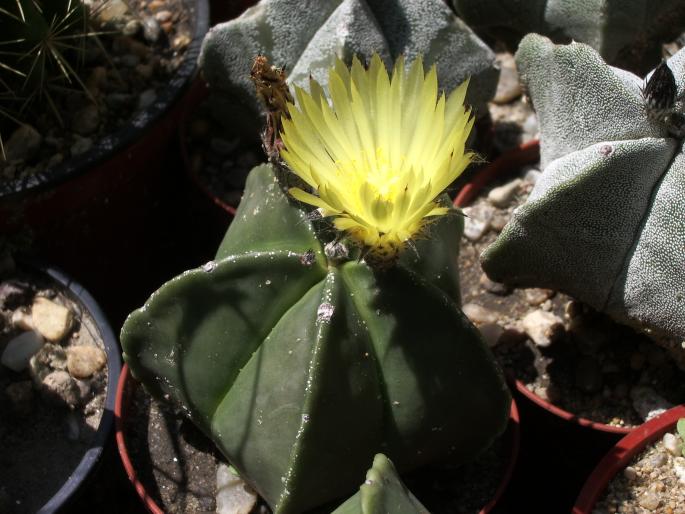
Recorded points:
(305, 37)
(302, 367)
(42, 44)
(381, 493)
(604, 222)
(626, 33)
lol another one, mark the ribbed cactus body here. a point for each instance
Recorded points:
(301, 369)
(604, 222)
(382, 492)
(305, 37)
(626, 33)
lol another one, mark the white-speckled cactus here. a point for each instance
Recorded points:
(627, 33)
(605, 222)
(305, 37)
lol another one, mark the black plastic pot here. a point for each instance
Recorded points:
(91, 457)
(97, 213)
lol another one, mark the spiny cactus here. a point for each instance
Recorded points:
(42, 44)
(305, 37)
(382, 492)
(626, 33)
(604, 222)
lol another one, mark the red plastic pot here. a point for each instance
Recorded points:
(127, 385)
(621, 455)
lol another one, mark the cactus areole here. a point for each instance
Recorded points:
(300, 359)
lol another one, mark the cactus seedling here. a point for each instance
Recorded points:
(626, 33)
(680, 427)
(604, 222)
(277, 345)
(305, 38)
(382, 491)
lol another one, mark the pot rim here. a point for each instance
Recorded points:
(92, 454)
(121, 412)
(129, 133)
(621, 454)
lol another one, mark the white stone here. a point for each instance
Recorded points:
(673, 444)
(501, 196)
(51, 319)
(478, 314)
(541, 326)
(531, 174)
(112, 10)
(477, 221)
(630, 473)
(20, 349)
(649, 500)
(233, 495)
(60, 388)
(648, 403)
(679, 469)
(84, 360)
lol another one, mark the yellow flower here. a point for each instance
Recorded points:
(381, 154)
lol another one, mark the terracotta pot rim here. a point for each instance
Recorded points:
(92, 454)
(133, 130)
(621, 454)
(120, 414)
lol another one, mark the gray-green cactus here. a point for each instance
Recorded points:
(301, 367)
(627, 33)
(605, 222)
(305, 37)
(382, 492)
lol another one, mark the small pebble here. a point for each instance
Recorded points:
(630, 473)
(151, 29)
(132, 28)
(477, 221)
(20, 349)
(81, 145)
(23, 144)
(86, 120)
(531, 175)
(508, 86)
(535, 296)
(146, 98)
(85, 360)
(60, 388)
(649, 500)
(494, 287)
(181, 41)
(673, 444)
(478, 314)
(233, 495)
(542, 327)
(679, 469)
(498, 222)
(503, 195)
(52, 320)
(51, 357)
(162, 16)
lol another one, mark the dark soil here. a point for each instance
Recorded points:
(173, 459)
(42, 441)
